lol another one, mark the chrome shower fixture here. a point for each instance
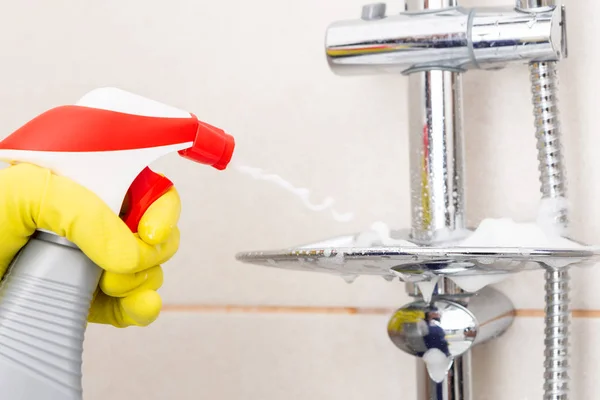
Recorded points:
(434, 43)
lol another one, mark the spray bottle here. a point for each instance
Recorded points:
(105, 143)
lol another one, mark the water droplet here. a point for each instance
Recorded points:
(349, 278)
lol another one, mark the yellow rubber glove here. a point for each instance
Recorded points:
(32, 197)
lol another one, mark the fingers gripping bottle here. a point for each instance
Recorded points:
(105, 142)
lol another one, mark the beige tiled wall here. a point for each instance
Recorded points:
(257, 69)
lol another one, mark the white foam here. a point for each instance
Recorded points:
(451, 237)
(546, 233)
(367, 238)
(427, 287)
(504, 232)
(302, 193)
(437, 364)
(548, 213)
(379, 234)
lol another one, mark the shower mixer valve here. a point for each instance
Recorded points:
(433, 43)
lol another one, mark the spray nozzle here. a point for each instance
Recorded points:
(107, 140)
(212, 146)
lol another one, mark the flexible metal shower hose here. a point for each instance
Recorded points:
(544, 84)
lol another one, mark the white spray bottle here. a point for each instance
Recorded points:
(105, 142)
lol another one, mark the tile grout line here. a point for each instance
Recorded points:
(267, 309)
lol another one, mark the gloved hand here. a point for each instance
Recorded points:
(32, 197)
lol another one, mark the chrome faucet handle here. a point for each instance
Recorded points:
(449, 326)
(442, 324)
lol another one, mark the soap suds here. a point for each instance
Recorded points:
(438, 364)
(379, 234)
(504, 232)
(549, 212)
(491, 233)
(302, 193)
(545, 233)
(428, 287)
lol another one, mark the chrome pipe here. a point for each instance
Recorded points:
(450, 38)
(437, 181)
(436, 156)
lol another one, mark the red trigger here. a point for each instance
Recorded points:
(145, 190)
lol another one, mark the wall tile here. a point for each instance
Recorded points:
(236, 357)
(512, 367)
